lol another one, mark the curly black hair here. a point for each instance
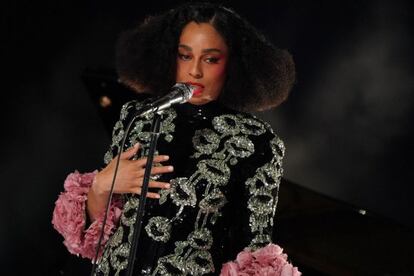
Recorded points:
(259, 75)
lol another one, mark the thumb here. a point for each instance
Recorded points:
(129, 153)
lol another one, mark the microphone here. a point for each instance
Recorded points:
(179, 94)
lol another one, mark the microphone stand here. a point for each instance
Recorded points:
(181, 92)
(155, 129)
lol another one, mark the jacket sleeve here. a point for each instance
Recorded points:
(261, 190)
(69, 216)
(70, 219)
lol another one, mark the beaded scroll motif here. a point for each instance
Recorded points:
(192, 256)
(116, 251)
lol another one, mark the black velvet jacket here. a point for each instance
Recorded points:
(223, 195)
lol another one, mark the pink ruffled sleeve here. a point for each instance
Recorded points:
(269, 260)
(69, 216)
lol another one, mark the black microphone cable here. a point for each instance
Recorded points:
(108, 202)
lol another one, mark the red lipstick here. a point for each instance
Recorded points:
(199, 88)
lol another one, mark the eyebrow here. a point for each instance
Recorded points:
(208, 50)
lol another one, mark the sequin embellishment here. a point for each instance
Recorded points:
(159, 228)
(183, 192)
(216, 151)
(115, 256)
(264, 188)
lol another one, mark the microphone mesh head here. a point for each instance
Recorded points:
(185, 89)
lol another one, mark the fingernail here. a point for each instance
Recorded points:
(170, 168)
(157, 196)
(166, 157)
(136, 145)
(167, 186)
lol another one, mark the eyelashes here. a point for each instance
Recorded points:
(212, 60)
(184, 57)
(208, 59)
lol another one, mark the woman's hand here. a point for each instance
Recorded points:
(129, 180)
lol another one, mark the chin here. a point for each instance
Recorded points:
(199, 101)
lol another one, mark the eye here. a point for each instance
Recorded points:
(212, 60)
(184, 57)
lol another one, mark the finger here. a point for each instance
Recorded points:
(129, 153)
(160, 158)
(162, 169)
(153, 195)
(143, 161)
(159, 184)
(154, 170)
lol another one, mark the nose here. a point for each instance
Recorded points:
(196, 70)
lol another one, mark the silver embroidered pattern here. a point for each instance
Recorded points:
(114, 257)
(117, 136)
(116, 238)
(261, 204)
(215, 217)
(260, 241)
(205, 141)
(167, 125)
(128, 212)
(263, 188)
(251, 126)
(171, 265)
(199, 263)
(227, 124)
(183, 192)
(201, 239)
(239, 146)
(103, 266)
(125, 110)
(278, 148)
(159, 229)
(278, 151)
(180, 246)
(213, 202)
(137, 133)
(118, 132)
(140, 130)
(220, 147)
(164, 195)
(267, 178)
(119, 257)
(215, 171)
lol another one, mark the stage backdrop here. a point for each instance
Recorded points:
(347, 125)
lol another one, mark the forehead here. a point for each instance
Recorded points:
(202, 35)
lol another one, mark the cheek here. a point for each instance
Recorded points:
(180, 70)
(218, 73)
(217, 78)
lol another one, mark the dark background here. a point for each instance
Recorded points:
(347, 125)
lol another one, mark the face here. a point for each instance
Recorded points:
(202, 61)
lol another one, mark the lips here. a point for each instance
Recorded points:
(199, 88)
